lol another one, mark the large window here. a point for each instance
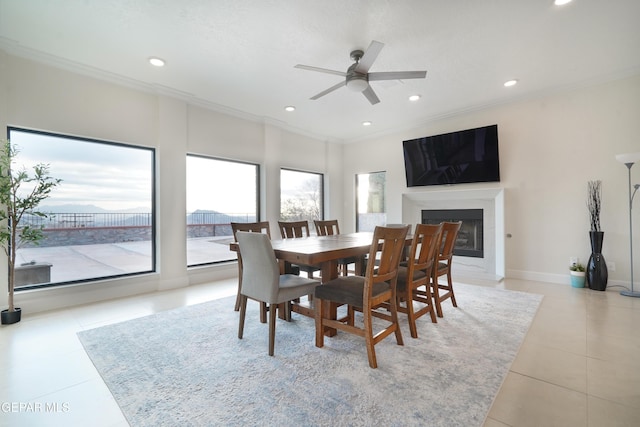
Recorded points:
(100, 217)
(219, 192)
(301, 196)
(370, 195)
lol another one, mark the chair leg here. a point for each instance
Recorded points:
(237, 306)
(319, 327)
(243, 312)
(351, 315)
(453, 296)
(411, 315)
(368, 336)
(432, 311)
(272, 327)
(263, 312)
(436, 296)
(394, 319)
(286, 306)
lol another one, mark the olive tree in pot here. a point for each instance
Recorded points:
(20, 193)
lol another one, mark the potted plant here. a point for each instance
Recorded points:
(20, 194)
(578, 273)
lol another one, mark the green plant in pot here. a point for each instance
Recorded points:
(577, 275)
(20, 193)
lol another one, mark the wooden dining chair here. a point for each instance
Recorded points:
(330, 227)
(294, 230)
(443, 266)
(262, 281)
(414, 280)
(403, 261)
(327, 227)
(365, 294)
(253, 227)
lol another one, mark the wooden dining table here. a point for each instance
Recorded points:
(324, 251)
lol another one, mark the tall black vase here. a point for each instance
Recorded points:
(597, 274)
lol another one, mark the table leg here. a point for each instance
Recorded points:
(359, 266)
(330, 272)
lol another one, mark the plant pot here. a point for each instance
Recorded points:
(577, 279)
(11, 317)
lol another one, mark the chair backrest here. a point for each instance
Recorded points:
(449, 235)
(255, 227)
(424, 248)
(327, 228)
(293, 229)
(260, 272)
(400, 225)
(390, 242)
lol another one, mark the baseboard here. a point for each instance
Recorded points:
(562, 279)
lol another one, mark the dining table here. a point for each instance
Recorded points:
(324, 251)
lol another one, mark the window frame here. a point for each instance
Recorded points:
(321, 195)
(233, 255)
(153, 213)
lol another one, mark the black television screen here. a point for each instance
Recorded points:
(453, 158)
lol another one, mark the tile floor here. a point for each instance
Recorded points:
(578, 366)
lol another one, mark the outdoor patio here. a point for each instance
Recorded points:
(79, 262)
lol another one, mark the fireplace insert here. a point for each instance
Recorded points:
(470, 238)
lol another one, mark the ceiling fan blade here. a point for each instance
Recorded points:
(371, 95)
(397, 75)
(331, 89)
(320, 70)
(369, 57)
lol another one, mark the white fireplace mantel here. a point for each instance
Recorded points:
(491, 201)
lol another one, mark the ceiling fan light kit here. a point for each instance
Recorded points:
(357, 76)
(357, 83)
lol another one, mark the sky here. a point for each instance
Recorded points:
(109, 176)
(237, 196)
(116, 177)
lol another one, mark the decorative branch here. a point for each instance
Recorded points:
(594, 198)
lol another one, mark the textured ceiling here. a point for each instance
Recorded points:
(238, 56)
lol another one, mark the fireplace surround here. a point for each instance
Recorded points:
(491, 201)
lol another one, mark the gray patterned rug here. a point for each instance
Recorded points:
(187, 367)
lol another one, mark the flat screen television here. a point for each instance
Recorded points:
(453, 158)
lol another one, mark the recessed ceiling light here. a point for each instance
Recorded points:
(510, 83)
(561, 2)
(366, 123)
(157, 62)
(290, 108)
(414, 97)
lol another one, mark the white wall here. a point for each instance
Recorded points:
(42, 97)
(549, 148)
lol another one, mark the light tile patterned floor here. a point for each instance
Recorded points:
(579, 364)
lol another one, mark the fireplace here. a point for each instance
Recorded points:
(471, 235)
(490, 200)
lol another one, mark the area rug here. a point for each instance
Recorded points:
(187, 367)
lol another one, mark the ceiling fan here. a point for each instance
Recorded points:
(357, 76)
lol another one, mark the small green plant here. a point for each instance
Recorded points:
(577, 267)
